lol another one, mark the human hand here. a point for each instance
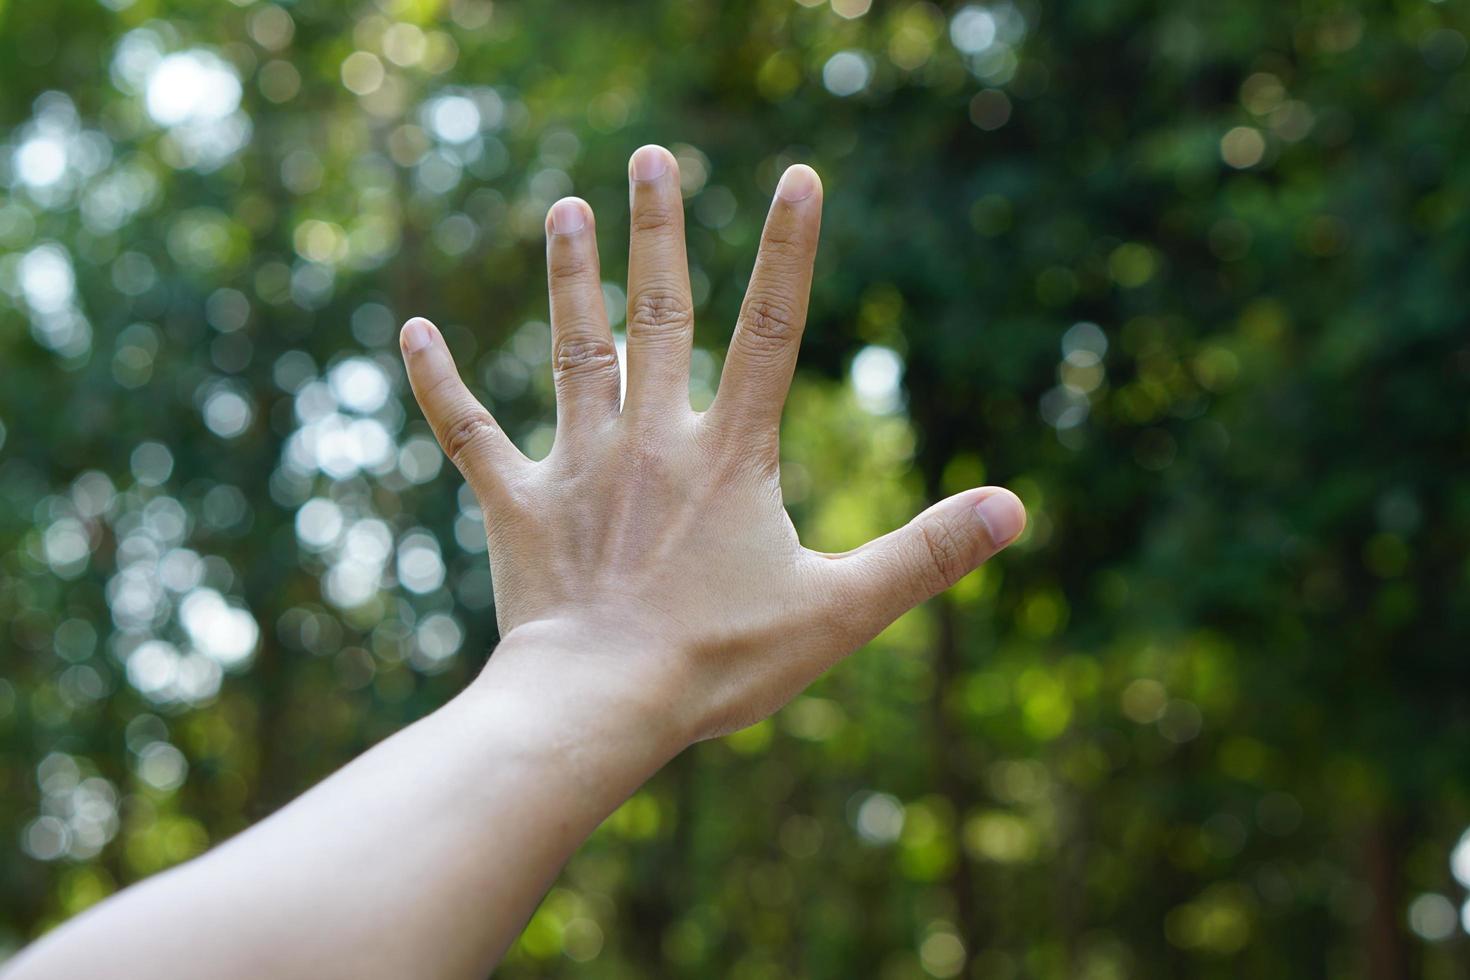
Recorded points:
(650, 591)
(650, 547)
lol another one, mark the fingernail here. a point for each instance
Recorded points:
(1003, 517)
(649, 163)
(568, 216)
(416, 335)
(797, 184)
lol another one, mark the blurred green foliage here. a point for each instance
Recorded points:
(1190, 277)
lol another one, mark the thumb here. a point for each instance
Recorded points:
(890, 575)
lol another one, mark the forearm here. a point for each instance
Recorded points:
(424, 857)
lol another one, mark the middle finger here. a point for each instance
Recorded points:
(660, 305)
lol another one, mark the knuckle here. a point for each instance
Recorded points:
(945, 556)
(517, 504)
(442, 387)
(756, 451)
(732, 447)
(461, 436)
(768, 324)
(745, 458)
(656, 312)
(783, 245)
(581, 355)
(655, 470)
(652, 217)
(568, 268)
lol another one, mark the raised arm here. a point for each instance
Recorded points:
(650, 590)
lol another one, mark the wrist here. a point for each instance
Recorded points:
(600, 701)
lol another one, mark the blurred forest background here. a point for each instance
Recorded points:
(1191, 277)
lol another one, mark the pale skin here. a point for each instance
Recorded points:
(650, 591)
